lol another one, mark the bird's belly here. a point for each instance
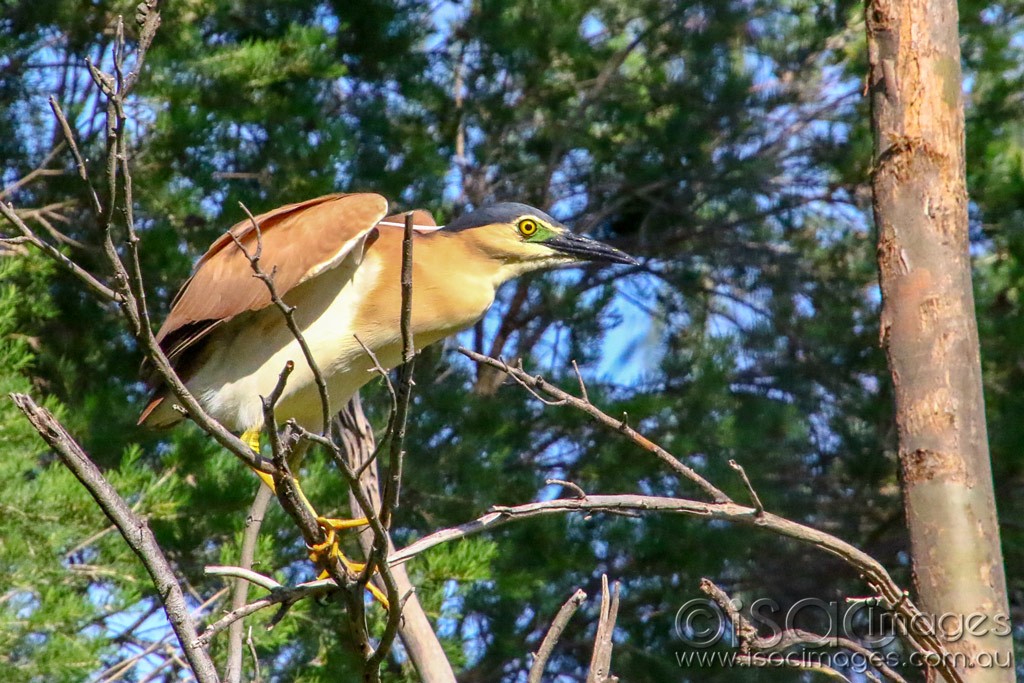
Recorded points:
(250, 352)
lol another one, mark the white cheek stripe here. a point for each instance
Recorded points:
(417, 228)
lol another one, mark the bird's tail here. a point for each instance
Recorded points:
(159, 413)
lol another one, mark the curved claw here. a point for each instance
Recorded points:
(329, 550)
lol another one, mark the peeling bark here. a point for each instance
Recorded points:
(928, 326)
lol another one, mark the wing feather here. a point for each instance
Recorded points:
(300, 241)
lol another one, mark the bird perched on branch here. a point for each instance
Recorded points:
(336, 259)
(336, 262)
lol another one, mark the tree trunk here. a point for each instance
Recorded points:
(929, 330)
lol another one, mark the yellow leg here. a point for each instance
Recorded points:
(379, 595)
(251, 437)
(329, 549)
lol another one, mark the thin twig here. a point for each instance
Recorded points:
(758, 505)
(575, 488)
(255, 660)
(288, 596)
(69, 137)
(558, 625)
(579, 377)
(392, 394)
(38, 171)
(561, 397)
(88, 279)
(396, 454)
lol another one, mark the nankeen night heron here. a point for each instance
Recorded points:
(337, 260)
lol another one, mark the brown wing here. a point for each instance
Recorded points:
(300, 241)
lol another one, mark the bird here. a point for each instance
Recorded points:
(336, 261)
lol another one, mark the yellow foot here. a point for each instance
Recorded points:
(322, 553)
(329, 550)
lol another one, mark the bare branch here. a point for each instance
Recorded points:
(561, 397)
(601, 660)
(752, 643)
(133, 528)
(554, 633)
(891, 596)
(69, 137)
(88, 279)
(281, 596)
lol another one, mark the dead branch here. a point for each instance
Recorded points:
(601, 660)
(891, 596)
(558, 625)
(537, 383)
(751, 644)
(92, 283)
(133, 528)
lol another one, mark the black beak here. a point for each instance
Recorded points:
(586, 249)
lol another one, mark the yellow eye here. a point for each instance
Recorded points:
(527, 227)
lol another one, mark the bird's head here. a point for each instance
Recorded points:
(519, 238)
